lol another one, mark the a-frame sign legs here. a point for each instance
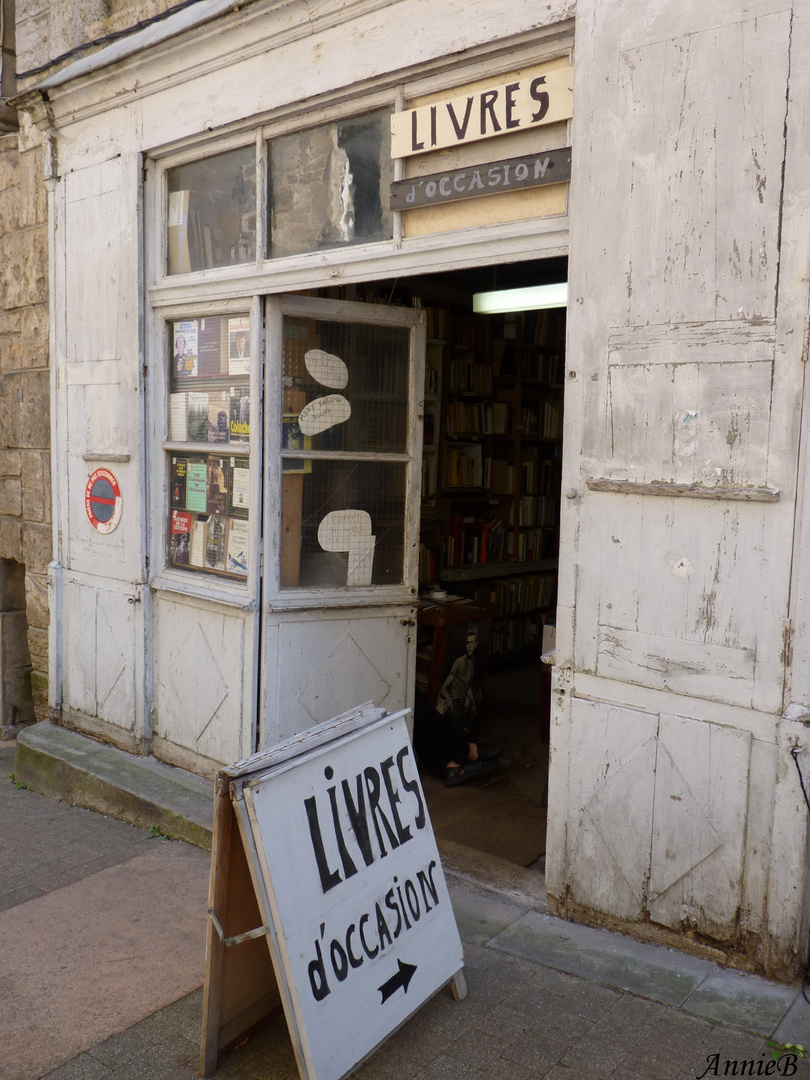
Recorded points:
(240, 984)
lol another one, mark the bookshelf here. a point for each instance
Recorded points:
(490, 511)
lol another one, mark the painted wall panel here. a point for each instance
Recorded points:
(702, 144)
(699, 831)
(98, 391)
(101, 663)
(328, 662)
(610, 803)
(203, 660)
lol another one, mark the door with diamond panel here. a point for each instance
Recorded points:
(343, 449)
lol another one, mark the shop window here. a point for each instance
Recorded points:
(328, 186)
(208, 449)
(212, 212)
(343, 453)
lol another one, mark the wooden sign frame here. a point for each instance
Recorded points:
(250, 969)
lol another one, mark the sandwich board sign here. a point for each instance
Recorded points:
(333, 831)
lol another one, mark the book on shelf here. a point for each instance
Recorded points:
(219, 408)
(237, 549)
(218, 469)
(177, 483)
(178, 417)
(239, 414)
(197, 422)
(464, 466)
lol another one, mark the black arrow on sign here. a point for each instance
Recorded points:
(402, 978)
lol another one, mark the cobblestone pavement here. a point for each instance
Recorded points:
(546, 998)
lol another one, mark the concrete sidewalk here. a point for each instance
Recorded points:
(102, 927)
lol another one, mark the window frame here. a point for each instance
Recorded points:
(287, 597)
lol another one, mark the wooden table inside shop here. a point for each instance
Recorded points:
(440, 615)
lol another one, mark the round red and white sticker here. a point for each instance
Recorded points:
(102, 501)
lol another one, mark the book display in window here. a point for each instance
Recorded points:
(209, 417)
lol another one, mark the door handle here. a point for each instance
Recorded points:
(407, 622)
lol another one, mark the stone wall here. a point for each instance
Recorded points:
(25, 481)
(49, 29)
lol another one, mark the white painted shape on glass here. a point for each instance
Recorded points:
(323, 413)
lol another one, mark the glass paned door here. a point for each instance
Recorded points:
(343, 437)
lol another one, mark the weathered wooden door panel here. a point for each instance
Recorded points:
(673, 592)
(700, 812)
(611, 788)
(322, 663)
(659, 815)
(699, 422)
(99, 631)
(98, 360)
(697, 147)
(204, 700)
(688, 667)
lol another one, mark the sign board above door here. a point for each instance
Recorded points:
(538, 97)
(512, 174)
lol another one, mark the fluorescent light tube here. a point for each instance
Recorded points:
(529, 299)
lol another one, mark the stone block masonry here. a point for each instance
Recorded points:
(25, 471)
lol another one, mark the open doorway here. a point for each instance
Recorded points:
(489, 539)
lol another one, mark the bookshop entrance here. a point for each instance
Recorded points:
(489, 540)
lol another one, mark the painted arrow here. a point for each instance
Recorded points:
(402, 978)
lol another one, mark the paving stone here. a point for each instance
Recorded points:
(603, 957)
(508, 1070)
(794, 1027)
(535, 1051)
(477, 1048)
(744, 1000)
(585, 999)
(508, 1023)
(480, 917)
(446, 1068)
(83, 1067)
(558, 1022)
(595, 1058)
(562, 1072)
(633, 1011)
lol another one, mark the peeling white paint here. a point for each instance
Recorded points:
(682, 567)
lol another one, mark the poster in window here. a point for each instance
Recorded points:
(215, 543)
(219, 405)
(184, 351)
(218, 469)
(292, 438)
(237, 562)
(179, 537)
(197, 422)
(177, 483)
(239, 345)
(240, 414)
(209, 361)
(196, 549)
(197, 487)
(239, 488)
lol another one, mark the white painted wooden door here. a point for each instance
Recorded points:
(342, 497)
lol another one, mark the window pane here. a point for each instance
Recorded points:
(348, 385)
(209, 380)
(208, 519)
(342, 523)
(209, 402)
(212, 212)
(328, 186)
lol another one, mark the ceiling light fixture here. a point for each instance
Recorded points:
(528, 299)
